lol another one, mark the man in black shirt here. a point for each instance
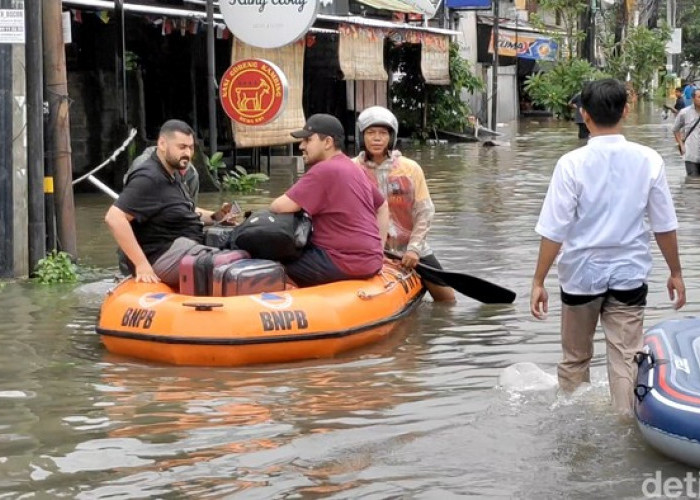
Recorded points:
(680, 102)
(575, 104)
(154, 220)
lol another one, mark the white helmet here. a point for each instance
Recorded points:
(378, 116)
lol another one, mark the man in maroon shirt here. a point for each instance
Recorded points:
(350, 216)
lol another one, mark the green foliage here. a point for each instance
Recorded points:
(241, 181)
(131, 152)
(131, 60)
(410, 94)
(216, 164)
(569, 12)
(553, 89)
(56, 267)
(689, 19)
(639, 55)
(238, 179)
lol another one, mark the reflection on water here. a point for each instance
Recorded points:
(418, 415)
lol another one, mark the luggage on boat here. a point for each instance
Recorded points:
(218, 236)
(248, 276)
(196, 270)
(273, 236)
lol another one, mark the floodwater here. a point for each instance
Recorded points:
(420, 415)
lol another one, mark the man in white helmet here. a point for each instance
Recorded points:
(403, 184)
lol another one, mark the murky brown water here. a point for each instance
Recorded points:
(417, 416)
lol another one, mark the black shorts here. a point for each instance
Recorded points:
(431, 260)
(634, 297)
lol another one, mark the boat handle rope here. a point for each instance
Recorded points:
(202, 306)
(388, 286)
(117, 284)
(641, 390)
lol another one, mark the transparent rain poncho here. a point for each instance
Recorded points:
(402, 183)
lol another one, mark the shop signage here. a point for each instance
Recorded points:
(526, 46)
(269, 23)
(11, 26)
(253, 91)
(469, 4)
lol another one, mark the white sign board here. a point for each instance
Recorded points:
(11, 26)
(269, 23)
(65, 24)
(673, 46)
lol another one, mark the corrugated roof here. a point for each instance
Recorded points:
(423, 7)
(517, 25)
(378, 23)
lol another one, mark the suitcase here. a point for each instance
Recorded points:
(196, 270)
(249, 276)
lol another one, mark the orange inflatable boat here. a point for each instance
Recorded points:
(153, 322)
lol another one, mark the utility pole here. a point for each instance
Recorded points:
(211, 79)
(120, 61)
(494, 67)
(593, 8)
(56, 90)
(6, 171)
(671, 20)
(35, 132)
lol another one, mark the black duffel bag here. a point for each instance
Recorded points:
(267, 235)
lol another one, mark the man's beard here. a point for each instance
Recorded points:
(176, 163)
(309, 161)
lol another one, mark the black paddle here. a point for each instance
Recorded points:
(471, 286)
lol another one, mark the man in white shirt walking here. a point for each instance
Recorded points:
(594, 213)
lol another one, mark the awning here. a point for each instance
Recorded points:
(138, 8)
(518, 25)
(378, 23)
(435, 59)
(361, 53)
(423, 7)
(155, 10)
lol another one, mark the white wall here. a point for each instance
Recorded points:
(507, 82)
(507, 109)
(468, 50)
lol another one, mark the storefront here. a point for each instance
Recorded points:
(338, 67)
(522, 49)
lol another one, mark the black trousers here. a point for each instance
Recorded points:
(583, 132)
(692, 169)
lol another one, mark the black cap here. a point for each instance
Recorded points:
(321, 123)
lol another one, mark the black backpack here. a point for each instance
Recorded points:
(271, 236)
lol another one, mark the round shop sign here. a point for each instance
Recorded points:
(269, 23)
(253, 91)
